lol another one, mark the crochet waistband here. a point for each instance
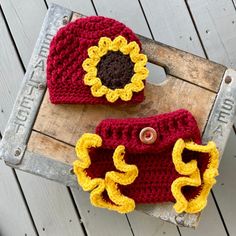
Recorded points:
(169, 127)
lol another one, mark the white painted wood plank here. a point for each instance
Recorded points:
(50, 203)
(97, 221)
(51, 206)
(126, 11)
(11, 198)
(171, 24)
(10, 75)
(81, 6)
(225, 190)
(14, 216)
(216, 23)
(210, 224)
(143, 224)
(25, 19)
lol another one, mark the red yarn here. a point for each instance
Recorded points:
(156, 169)
(68, 50)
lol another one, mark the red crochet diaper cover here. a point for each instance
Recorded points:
(147, 160)
(96, 60)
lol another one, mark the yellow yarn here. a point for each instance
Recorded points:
(95, 53)
(193, 175)
(97, 186)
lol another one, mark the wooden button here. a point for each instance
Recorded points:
(148, 135)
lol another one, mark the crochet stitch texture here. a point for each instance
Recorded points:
(174, 168)
(69, 49)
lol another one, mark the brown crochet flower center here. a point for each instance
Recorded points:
(115, 70)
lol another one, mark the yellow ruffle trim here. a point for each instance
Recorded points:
(97, 186)
(193, 177)
(95, 53)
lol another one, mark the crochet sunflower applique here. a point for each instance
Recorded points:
(115, 69)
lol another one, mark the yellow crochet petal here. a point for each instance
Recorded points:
(97, 186)
(137, 84)
(90, 79)
(139, 58)
(93, 52)
(194, 179)
(126, 95)
(117, 43)
(140, 69)
(131, 48)
(97, 89)
(112, 95)
(104, 44)
(88, 63)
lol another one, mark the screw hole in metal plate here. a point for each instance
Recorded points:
(17, 152)
(65, 20)
(228, 79)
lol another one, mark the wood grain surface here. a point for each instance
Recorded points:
(68, 122)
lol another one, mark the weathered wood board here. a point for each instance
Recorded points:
(68, 122)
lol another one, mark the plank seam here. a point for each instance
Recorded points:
(94, 7)
(178, 230)
(77, 212)
(196, 29)
(45, 1)
(25, 201)
(234, 128)
(13, 171)
(234, 4)
(131, 229)
(221, 216)
(145, 17)
(12, 39)
(23, 196)
(49, 136)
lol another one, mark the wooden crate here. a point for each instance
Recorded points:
(40, 136)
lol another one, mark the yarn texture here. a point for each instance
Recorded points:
(127, 175)
(174, 168)
(96, 42)
(116, 71)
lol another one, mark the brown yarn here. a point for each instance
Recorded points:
(115, 70)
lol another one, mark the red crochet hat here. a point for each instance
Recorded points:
(147, 160)
(96, 60)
